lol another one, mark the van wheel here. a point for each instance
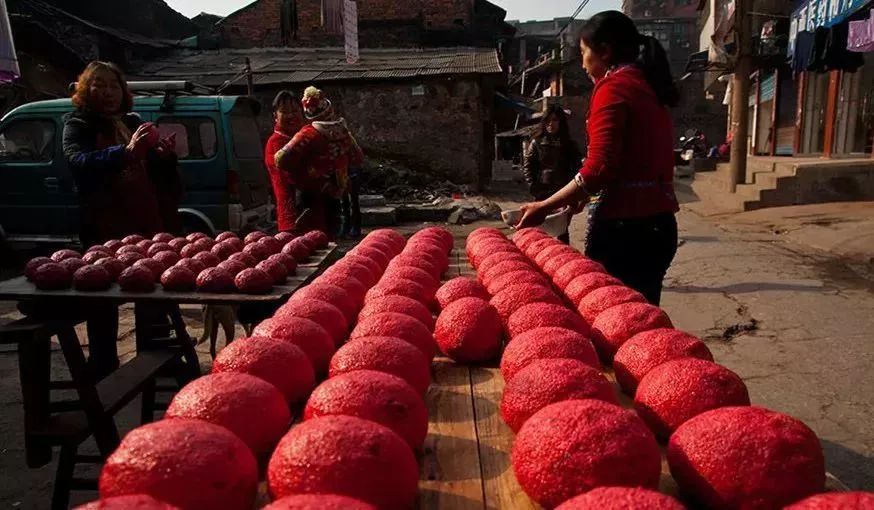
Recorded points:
(192, 223)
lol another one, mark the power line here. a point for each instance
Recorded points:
(574, 15)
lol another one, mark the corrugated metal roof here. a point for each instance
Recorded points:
(307, 65)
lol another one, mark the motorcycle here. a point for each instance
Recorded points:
(692, 145)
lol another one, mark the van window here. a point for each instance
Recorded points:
(28, 141)
(247, 137)
(195, 136)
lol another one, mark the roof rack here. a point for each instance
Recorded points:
(168, 89)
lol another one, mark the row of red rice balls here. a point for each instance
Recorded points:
(720, 456)
(197, 262)
(355, 447)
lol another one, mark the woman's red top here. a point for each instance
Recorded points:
(631, 148)
(283, 188)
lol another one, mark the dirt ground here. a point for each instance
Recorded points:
(793, 320)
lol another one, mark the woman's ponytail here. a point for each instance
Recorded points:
(654, 62)
(615, 30)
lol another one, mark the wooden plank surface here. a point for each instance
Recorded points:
(19, 289)
(495, 439)
(450, 471)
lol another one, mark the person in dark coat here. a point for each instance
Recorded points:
(127, 178)
(551, 158)
(628, 173)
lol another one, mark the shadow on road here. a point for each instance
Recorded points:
(852, 468)
(745, 288)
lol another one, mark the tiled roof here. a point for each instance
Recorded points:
(307, 65)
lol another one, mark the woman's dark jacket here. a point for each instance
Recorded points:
(549, 164)
(119, 195)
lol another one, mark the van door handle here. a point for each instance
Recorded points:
(52, 183)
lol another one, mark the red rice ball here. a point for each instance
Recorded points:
(570, 271)
(547, 381)
(836, 501)
(528, 276)
(398, 304)
(469, 331)
(324, 314)
(514, 297)
(617, 325)
(746, 457)
(503, 268)
(546, 343)
(621, 498)
(347, 456)
(540, 315)
(647, 350)
(498, 258)
(458, 288)
(275, 360)
(384, 354)
(376, 396)
(319, 502)
(184, 462)
(346, 280)
(130, 502)
(331, 294)
(676, 391)
(313, 339)
(558, 261)
(601, 299)
(231, 400)
(397, 325)
(585, 284)
(573, 446)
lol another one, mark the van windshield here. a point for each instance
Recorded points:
(247, 137)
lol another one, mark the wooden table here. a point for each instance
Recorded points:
(166, 345)
(465, 464)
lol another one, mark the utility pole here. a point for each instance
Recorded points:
(741, 92)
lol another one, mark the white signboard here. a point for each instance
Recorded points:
(350, 31)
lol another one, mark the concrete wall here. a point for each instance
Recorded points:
(820, 182)
(443, 131)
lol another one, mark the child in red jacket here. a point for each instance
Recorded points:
(317, 160)
(288, 118)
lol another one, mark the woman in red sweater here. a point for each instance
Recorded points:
(628, 173)
(288, 118)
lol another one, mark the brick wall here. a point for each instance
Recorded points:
(442, 131)
(259, 24)
(382, 22)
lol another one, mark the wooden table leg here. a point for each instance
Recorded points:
(34, 369)
(186, 343)
(103, 426)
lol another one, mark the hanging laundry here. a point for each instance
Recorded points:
(861, 35)
(837, 58)
(9, 70)
(802, 51)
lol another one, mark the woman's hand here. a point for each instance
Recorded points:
(167, 146)
(533, 215)
(140, 142)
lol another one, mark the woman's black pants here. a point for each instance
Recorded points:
(637, 251)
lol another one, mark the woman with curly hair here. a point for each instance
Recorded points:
(127, 176)
(128, 183)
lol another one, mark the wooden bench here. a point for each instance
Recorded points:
(67, 423)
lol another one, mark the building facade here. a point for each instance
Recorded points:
(430, 109)
(811, 95)
(675, 24)
(381, 23)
